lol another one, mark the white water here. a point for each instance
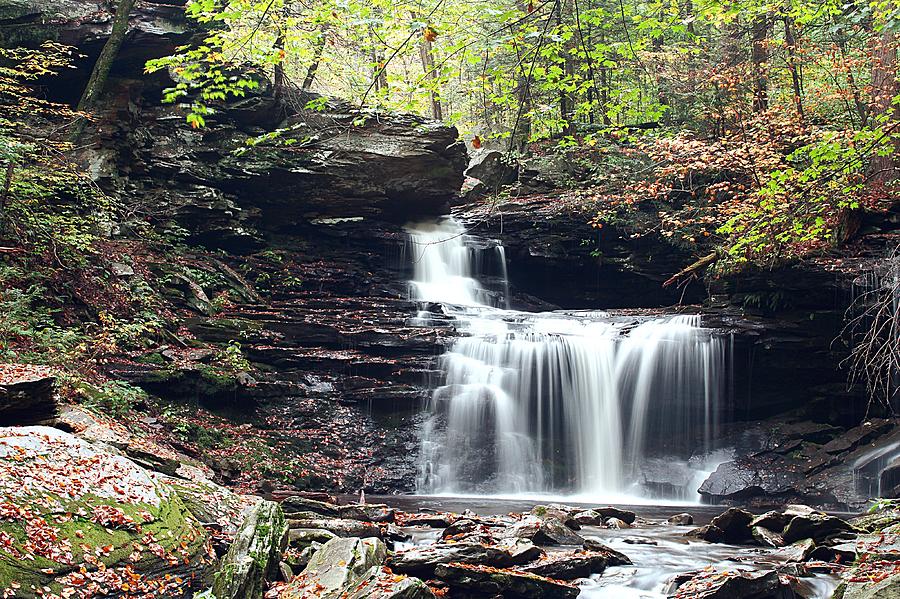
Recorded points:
(538, 403)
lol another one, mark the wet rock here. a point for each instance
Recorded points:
(337, 567)
(681, 519)
(612, 512)
(563, 513)
(798, 551)
(549, 531)
(430, 520)
(422, 560)
(818, 527)
(616, 523)
(509, 583)
(639, 541)
(709, 533)
(766, 537)
(381, 583)
(733, 585)
(285, 572)
(569, 565)
(304, 537)
(798, 509)
(774, 521)
(759, 474)
(338, 526)
(589, 518)
(735, 524)
(844, 553)
(463, 526)
(253, 557)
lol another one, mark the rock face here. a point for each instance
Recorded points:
(26, 395)
(65, 498)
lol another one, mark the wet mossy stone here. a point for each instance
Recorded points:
(74, 515)
(253, 557)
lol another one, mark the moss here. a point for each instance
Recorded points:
(175, 530)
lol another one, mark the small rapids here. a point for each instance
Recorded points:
(566, 403)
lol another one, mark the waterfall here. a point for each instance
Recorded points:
(559, 402)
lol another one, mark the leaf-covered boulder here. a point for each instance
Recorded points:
(338, 566)
(253, 557)
(77, 518)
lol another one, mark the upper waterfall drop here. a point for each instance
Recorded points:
(557, 402)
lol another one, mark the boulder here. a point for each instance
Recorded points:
(339, 526)
(336, 568)
(774, 521)
(818, 527)
(422, 560)
(888, 588)
(569, 565)
(381, 583)
(254, 555)
(548, 531)
(616, 523)
(733, 585)
(563, 513)
(613, 512)
(304, 537)
(62, 493)
(684, 519)
(735, 524)
(766, 537)
(588, 518)
(709, 533)
(363, 512)
(798, 551)
(492, 168)
(508, 583)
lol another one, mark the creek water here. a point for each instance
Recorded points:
(572, 403)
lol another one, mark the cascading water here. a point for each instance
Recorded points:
(553, 402)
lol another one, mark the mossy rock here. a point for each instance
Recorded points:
(74, 516)
(253, 557)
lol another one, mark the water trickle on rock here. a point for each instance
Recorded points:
(555, 402)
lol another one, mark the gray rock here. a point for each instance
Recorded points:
(549, 531)
(340, 527)
(120, 269)
(733, 585)
(709, 533)
(798, 551)
(889, 588)
(381, 583)
(818, 527)
(569, 565)
(363, 512)
(508, 583)
(336, 568)
(684, 519)
(616, 523)
(254, 555)
(766, 537)
(589, 518)
(492, 168)
(775, 521)
(613, 512)
(422, 560)
(304, 537)
(735, 524)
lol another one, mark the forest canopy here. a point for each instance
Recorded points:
(767, 124)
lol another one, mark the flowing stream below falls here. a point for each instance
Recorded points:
(574, 403)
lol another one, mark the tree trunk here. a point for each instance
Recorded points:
(321, 40)
(884, 88)
(99, 75)
(796, 82)
(522, 129)
(426, 54)
(759, 55)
